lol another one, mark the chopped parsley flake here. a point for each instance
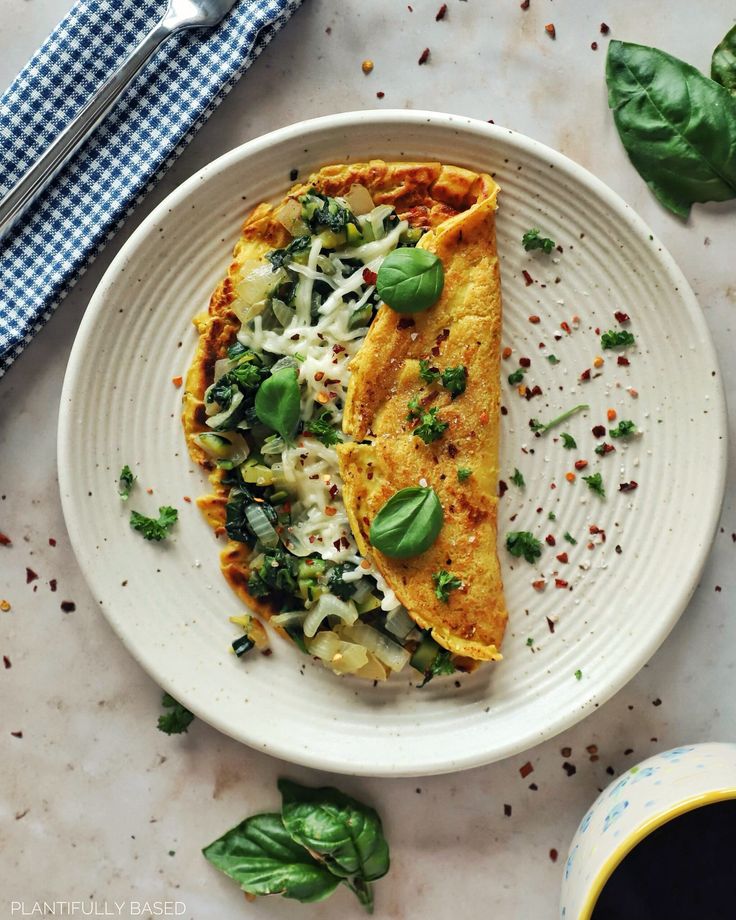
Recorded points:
(441, 666)
(625, 429)
(595, 484)
(551, 516)
(177, 720)
(281, 257)
(454, 380)
(617, 338)
(323, 430)
(530, 642)
(541, 427)
(125, 482)
(154, 529)
(553, 359)
(522, 543)
(431, 428)
(578, 674)
(518, 479)
(570, 539)
(516, 376)
(532, 239)
(428, 374)
(444, 582)
(463, 473)
(568, 441)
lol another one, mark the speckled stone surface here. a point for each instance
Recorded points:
(95, 802)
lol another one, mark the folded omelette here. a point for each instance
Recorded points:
(320, 400)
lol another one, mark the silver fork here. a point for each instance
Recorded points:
(180, 14)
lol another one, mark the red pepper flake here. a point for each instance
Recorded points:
(585, 375)
(149, 491)
(553, 854)
(594, 46)
(524, 4)
(534, 319)
(502, 488)
(539, 585)
(580, 464)
(406, 322)
(380, 95)
(452, 451)
(628, 486)
(527, 278)
(507, 811)
(369, 276)
(550, 540)
(604, 29)
(7, 662)
(550, 30)
(177, 381)
(526, 769)
(569, 768)
(623, 361)
(560, 583)
(566, 752)
(599, 431)
(68, 606)
(441, 12)
(52, 542)
(5, 540)
(336, 349)
(52, 584)
(17, 734)
(525, 362)
(424, 56)
(187, 499)
(565, 326)
(562, 557)
(622, 317)
(606, 449)
(30, 575)
(506, 353)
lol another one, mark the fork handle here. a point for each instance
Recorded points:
(30, 186)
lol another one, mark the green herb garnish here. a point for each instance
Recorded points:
(570, 539)
(177, 719)
(428, 374)
(553, 359)
(533, 240)
(125, 482)
(530, 642)
(430, 427)
(515, 377)
(522, 543)
(410, 280)
(322, 428)
(408, 524)
(551, 516)
(617, 338)
(536, 425)
(595, 484)
(154, 529)
(463, 473)
(279, 258)
(444, 582)
(568, 441)
(578, 674)
(518, 479)
(625, 429)
(454, 380)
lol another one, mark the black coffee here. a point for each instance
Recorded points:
(685, 870)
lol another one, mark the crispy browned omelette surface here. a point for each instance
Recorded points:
(463, 327)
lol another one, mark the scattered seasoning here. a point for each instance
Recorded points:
(622, 317)
(524, 4)
(628, 486)
(566, 752)
(551, 516)
(580, 464)
(5, 540)
(441, 12)
(530, 642)
(550, 30)
(562, 557)
(527, 278)
(611, 415)
(68, 606)
(570, 477)
(657, 702)
(52, 584)
(553, 359)
(625, 429)
(561, 583)
(570, 538)
(380, 95)
(52, 542)
(539, 585)
(550, 540)
(17, 734)
(599, 431)
(526, 769)
(515, 377)
(598, 361)
(367, 66)
(507, 810)
(550, 624)
(424, 56)
(553, 854)
(585, 374)
(177, 381)
(30, 575)
(525, 362)
(5, 606)
(617, 338)
(502, 488)
(623, 361)
(594, 46)
(604, 29)
(506, 353)
(518, 479)
(578, 674)
(533, 787)
(603, 449)
(6, 662)
(294, 173)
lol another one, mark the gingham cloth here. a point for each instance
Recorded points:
(151, 124)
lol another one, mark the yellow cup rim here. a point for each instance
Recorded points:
(644, 830)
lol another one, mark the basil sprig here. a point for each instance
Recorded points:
(678, 127)
(278, 401)
(723, 63)
(321, 838)
(408, 524)
(410, 280)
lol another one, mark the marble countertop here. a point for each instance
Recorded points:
(99, 805)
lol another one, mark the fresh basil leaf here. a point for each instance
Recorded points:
(346, 834)
(410, 280)
(408, 524)
(278, 402)
(723, 63)
(263, 859)
(678, 127)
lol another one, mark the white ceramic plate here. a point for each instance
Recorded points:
(169, 603)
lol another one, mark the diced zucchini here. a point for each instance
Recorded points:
(354, 236)
(370, 603)
(255, 472)
(361, 316)
(411, 236)
(332, 240)
(425, 654)
(215, 445)
(228, 417)
(311, 568)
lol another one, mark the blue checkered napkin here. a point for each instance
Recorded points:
(150, 126)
